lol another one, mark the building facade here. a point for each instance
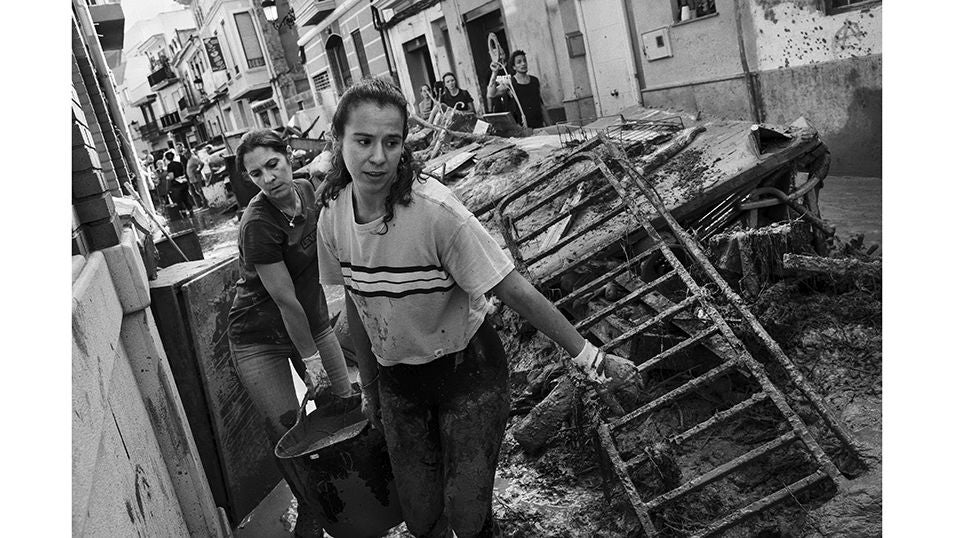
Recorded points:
(771, 61)
(340, 43)
(213, 70)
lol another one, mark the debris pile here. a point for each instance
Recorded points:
(738, 422)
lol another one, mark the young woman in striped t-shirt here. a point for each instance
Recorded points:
(416, 265)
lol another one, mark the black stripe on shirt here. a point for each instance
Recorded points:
(398, 295)
(386, 269)
(375, 282)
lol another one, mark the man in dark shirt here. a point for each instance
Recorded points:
(178, 184)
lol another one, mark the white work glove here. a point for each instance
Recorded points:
(590, 362)
(317, 379)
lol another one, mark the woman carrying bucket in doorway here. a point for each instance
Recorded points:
(279, 311)
(416, 264)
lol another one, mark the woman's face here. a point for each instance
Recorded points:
(269, 170)
(520, 64)
(423, 91)
(450, 83)
(371, 146)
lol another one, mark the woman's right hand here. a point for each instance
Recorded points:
(371, 404)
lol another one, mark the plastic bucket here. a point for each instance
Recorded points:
(344, 470)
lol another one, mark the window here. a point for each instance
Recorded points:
(339, 63)
(263, 115)
(321, 83)
(359, 50)
(684, 10)
(246, 31)
(241, 108)
(839, 6)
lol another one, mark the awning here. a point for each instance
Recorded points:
(254, 93)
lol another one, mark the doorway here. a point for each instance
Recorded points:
(478, 27)
(419, 64)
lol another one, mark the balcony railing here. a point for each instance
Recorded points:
(149, 130)
(160, 77)
(169, 120)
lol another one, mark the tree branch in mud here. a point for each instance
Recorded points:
(457, 134)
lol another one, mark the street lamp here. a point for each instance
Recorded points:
(270, 7)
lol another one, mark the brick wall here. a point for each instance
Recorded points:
(105, 141)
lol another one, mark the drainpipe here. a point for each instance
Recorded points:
(379, 26)
(754, 107)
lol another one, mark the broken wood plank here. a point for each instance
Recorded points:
(832, 266)
(544, 420)
(555, 233)
(451, 165)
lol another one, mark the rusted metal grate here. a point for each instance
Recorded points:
(678, 302)
(626, 131)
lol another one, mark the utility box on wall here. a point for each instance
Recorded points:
(656, 44)
(190, 302)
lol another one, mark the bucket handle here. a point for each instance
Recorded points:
(301, 409)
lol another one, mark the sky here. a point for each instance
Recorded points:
(140, 10)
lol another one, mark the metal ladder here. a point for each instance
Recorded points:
(688, 309)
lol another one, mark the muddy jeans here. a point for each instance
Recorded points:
(263, 371)
(444, 422)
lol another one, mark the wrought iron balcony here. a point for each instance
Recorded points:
(161, 77)
(169, 120)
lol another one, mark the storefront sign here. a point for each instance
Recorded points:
(216, 60)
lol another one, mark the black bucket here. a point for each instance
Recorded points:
(344, 471)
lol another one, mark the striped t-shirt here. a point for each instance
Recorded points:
(419, 288)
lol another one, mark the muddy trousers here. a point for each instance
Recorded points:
(444, 422)
(263, 371)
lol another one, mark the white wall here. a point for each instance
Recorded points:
(796, 32)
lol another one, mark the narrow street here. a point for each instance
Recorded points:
(695, 186)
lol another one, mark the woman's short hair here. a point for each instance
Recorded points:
(259, 138)
(513, 57)
(449, 74)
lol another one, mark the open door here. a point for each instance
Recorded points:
(418, 64)
(479, 26)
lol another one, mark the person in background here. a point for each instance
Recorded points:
(194, 174)
(426, 103)
(162, 182)
(526, 87)
(147, 163)
(181, 153)
(455, 97)
(279, 311)
(178, 184)
(416, 264)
